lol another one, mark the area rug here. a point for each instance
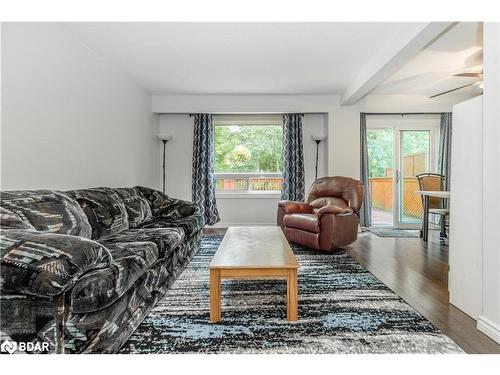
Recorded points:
(398, 233)
(343, 308)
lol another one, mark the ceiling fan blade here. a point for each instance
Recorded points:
(475, 75)
(455, 89)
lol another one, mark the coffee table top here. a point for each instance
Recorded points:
(254, 247)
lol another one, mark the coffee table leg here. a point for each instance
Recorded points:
(291, 287)
(215, 296)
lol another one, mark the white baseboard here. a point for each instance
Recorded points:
(225, 225)
(489, 328)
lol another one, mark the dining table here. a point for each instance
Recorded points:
(426, 194)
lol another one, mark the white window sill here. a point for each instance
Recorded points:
(248, 195)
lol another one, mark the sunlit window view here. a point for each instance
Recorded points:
(380, 158)
(415, 149)
(248, 157)
(413, 157)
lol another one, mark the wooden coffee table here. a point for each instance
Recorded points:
(253, 253)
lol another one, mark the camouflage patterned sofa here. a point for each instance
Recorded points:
(81, 269)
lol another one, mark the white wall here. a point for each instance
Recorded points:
(70, 120)
(341, 156)
(342, 122)
(465, 257)
(234, 209)
(489, 320)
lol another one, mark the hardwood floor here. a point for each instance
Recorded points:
(418, 272)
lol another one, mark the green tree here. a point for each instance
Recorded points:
(380, 148)
(248, 148)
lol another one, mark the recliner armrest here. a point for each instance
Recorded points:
(291, 207)
(334, 210)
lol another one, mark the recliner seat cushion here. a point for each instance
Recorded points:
(105, 211)
(166, 239)
(138, 208)
(47, 211)
(328, 201)
(98, 289)
(306, 222)
(46, 264)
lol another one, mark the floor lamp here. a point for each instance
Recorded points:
(164, 138)
(318, 139)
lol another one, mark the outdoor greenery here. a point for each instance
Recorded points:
(380, 148)
(248, 148)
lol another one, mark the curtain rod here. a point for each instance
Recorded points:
(402, 113)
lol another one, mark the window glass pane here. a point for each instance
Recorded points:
(231, 184)
(415, 152)
(250, 149)
(266, 183)
(380, 158)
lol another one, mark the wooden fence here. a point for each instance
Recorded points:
(382, 195)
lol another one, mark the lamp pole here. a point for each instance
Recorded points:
(164, 139)
(318, 141)
(164, 148)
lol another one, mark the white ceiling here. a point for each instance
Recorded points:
(431, 71)
(239, 58)
(280, 58)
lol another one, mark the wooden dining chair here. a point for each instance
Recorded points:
(435, 182)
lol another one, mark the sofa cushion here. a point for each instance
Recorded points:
(138, 208)
(191, 224)
(105, 211)
(11, 220)
(166, 239)
(46, 264)
(48, 211)
(98, 289)
(306, 222)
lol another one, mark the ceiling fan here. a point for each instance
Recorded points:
(471, 75)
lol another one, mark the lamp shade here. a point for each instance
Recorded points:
(317, 137)
(165, 137)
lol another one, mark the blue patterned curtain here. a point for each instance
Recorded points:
(293, 158)
(203, 185)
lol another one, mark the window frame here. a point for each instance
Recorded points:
(247, 193)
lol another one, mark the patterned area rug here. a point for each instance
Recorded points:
(342, 309)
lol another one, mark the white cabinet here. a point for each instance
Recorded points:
(465, 247)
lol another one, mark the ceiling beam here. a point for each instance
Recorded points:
(405, 46)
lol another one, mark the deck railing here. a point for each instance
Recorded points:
(248, 182)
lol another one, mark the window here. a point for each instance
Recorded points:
(248, 156)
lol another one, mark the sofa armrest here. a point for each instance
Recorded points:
(47, 264)
(164, 207)
(291, 207)
(334, 210)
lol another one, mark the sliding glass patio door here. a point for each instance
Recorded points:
(398, 151)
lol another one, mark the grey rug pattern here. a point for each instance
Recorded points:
(342, 309)
(390, 232)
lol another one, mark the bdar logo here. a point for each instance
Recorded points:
(8, 346)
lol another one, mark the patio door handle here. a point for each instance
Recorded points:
(398, 176)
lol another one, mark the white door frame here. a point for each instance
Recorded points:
(397, 124)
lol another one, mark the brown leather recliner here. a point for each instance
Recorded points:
(329, 218)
